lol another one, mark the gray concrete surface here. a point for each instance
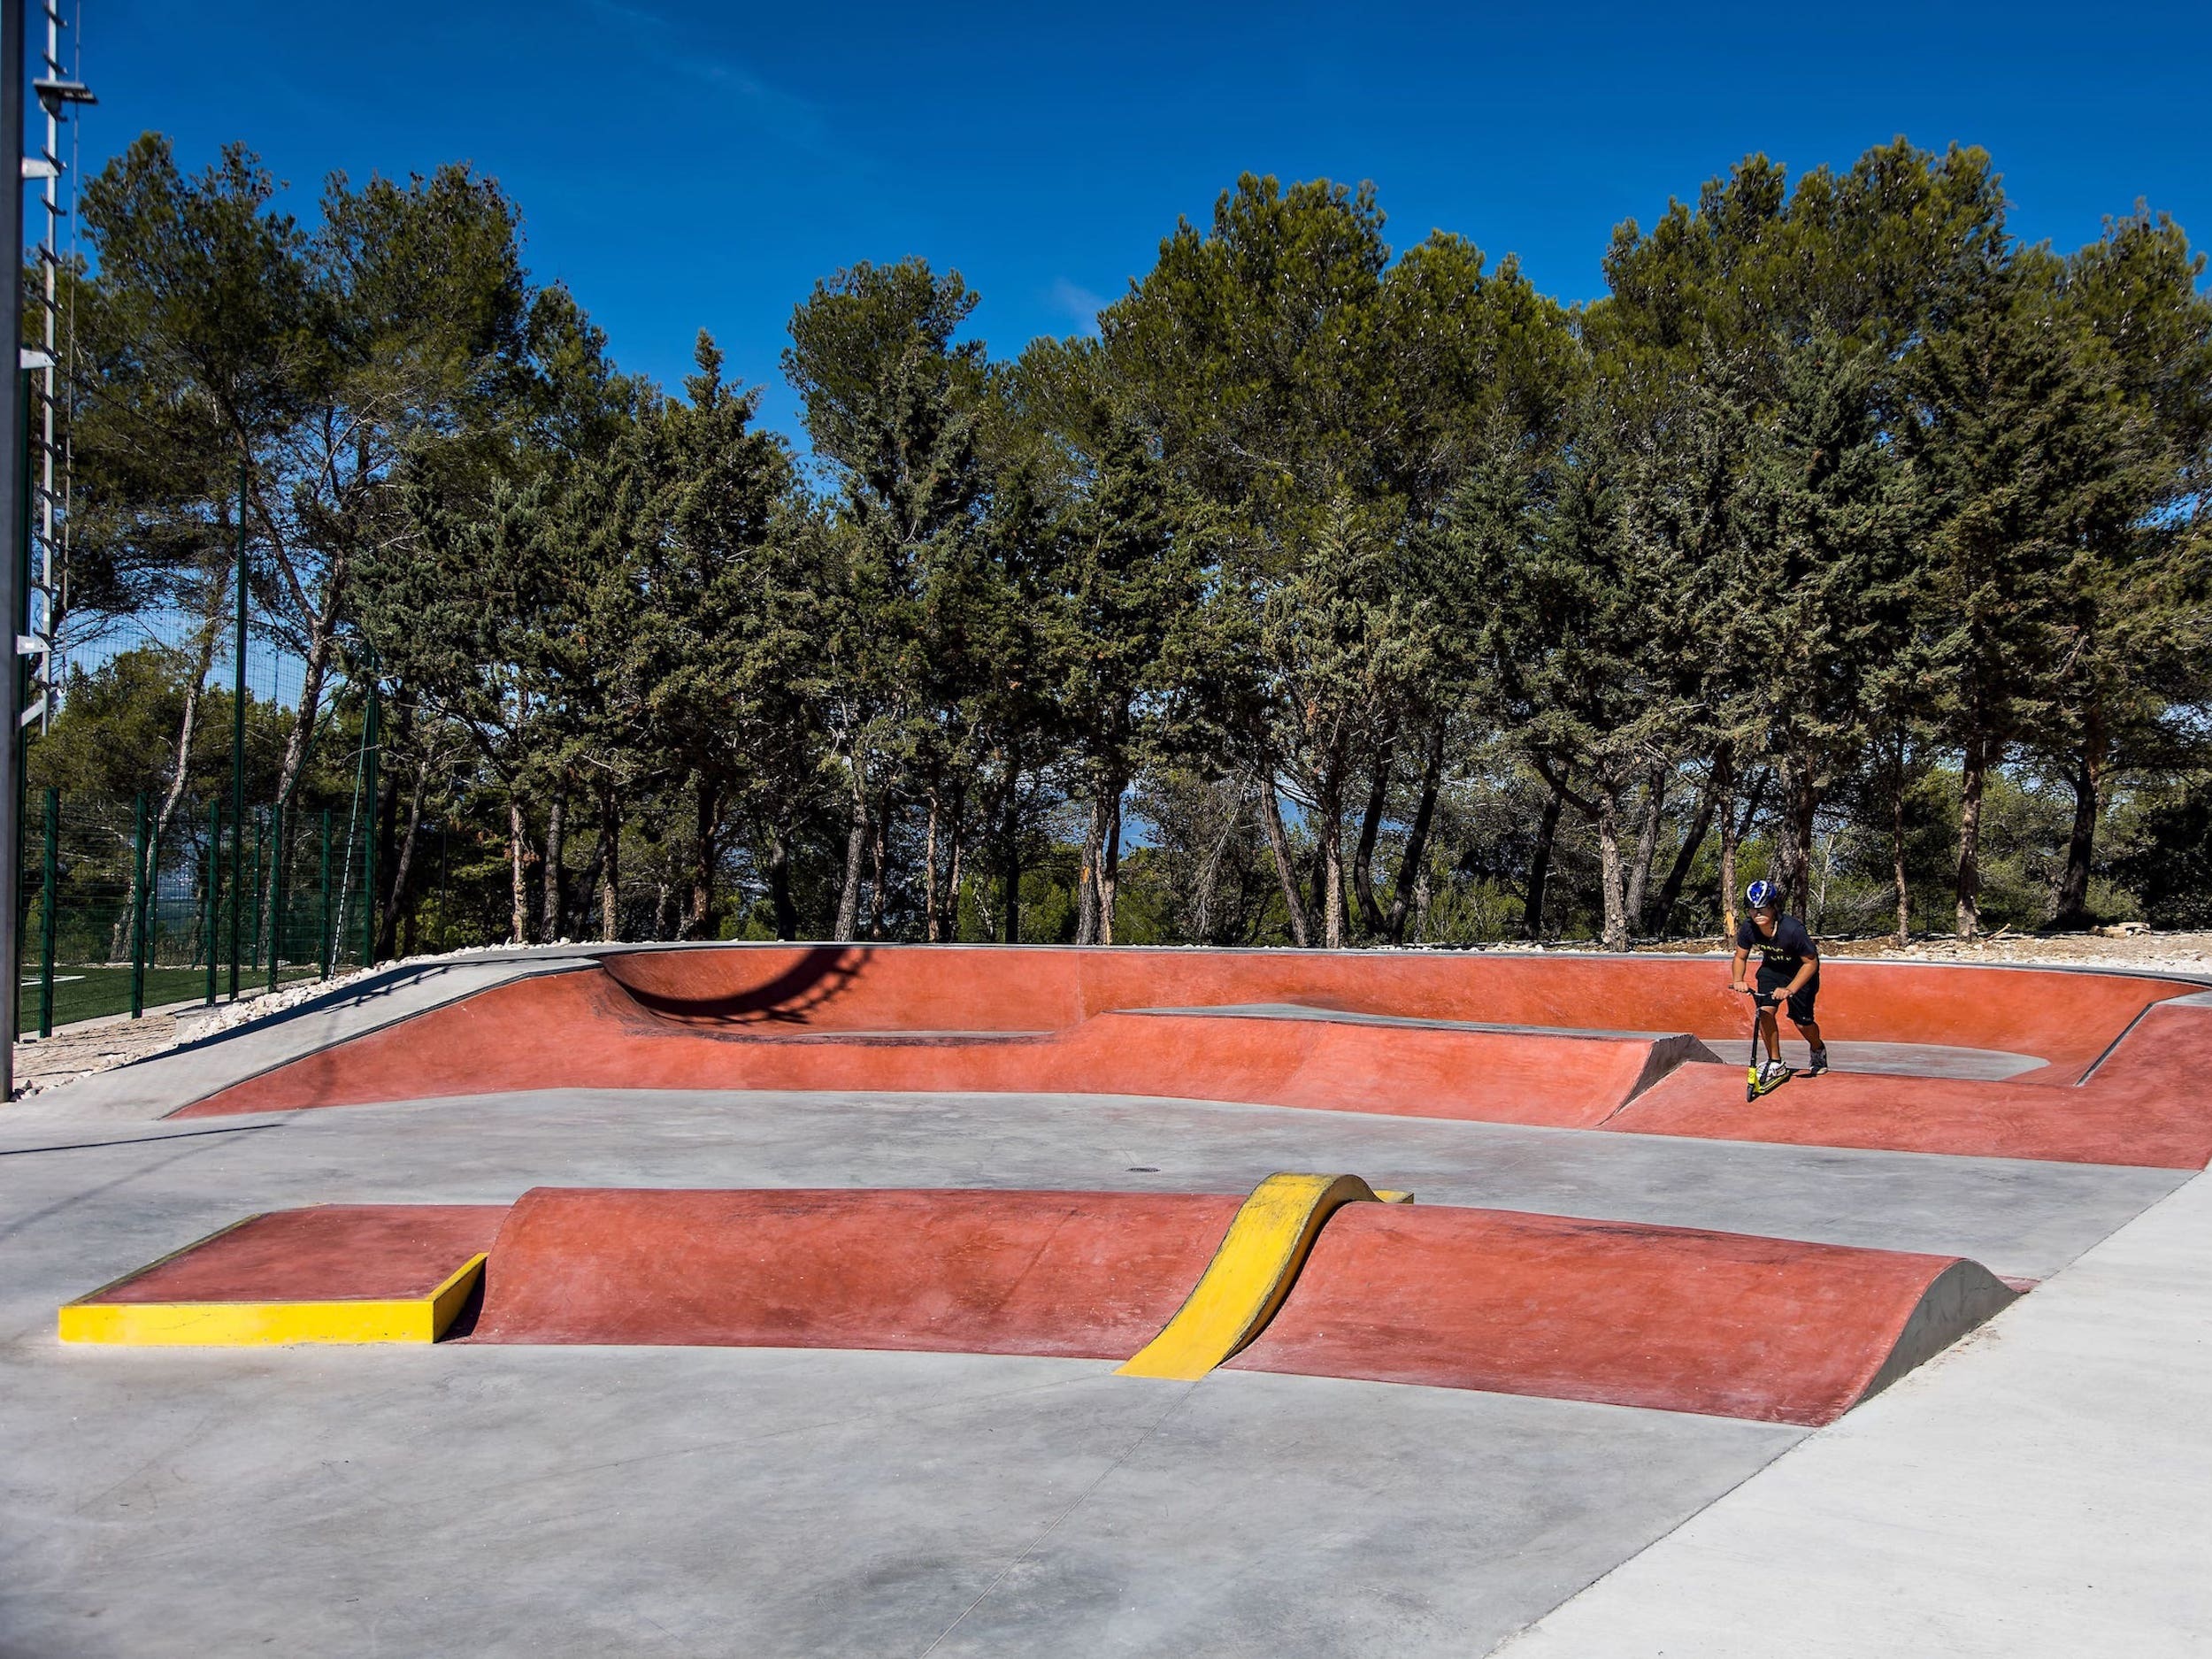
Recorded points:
(131, 1196)
(766, 1502)
(154, 1087)
(2043, 1489)
(588, 1501)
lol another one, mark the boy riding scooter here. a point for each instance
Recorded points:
(1789, 973)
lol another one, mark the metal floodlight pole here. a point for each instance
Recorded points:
(12, 416)
(55, 93)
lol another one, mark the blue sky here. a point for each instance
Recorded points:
(682, 165)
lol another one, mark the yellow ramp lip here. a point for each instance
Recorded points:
(1251, 1274)
(271, 1324)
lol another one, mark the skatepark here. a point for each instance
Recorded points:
(868, 1299)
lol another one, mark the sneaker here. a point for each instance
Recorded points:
(1771, 1073)
(1819, 1065)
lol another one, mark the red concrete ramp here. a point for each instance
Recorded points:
(2068, 1019)
(1496, 1039)
(1082, 1275)
(582, 1031)
(1676, 1318)
(1720, 1324)
(2146, 1105)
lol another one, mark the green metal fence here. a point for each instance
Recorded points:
(126, 909)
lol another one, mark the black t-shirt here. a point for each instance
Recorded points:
(1785, 953)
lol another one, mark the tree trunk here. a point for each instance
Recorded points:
(1208, 882)
(1278, 844)
(1794, 850)
(1897, 849)
(1413, 863)
(188, 727)
(953, 862)
(879, 863)
(703, 920)
(1971, 777)
(402, 866)
(321, 636)
(1371, 911)
(786, 913)
(1647, 846)
(933, 796)
(520, 892)
(553, 895)
(610, 868)
(2073, 888)
(1010, 832)
(1110, 864)
(180, 774)
(1733, 831)
(1693, 840)
(855, 851)
(1330, 812)
(1611, 873)
(1539, 865)
(987, 921)
(1086, 878)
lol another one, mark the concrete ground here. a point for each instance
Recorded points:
(2046, 1487)
(2043, 1488)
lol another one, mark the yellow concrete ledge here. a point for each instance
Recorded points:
(257, 1323)
(1251, 1274)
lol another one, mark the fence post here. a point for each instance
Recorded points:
(260, 828)
(138, 913)
(238, 737)
(51, 876)
(276, 889)
(327, 941)
(372, 741)
(214, 888)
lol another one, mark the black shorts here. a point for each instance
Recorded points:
(1800, 1003)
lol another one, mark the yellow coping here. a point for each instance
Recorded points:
(255, 1324)
(1251, 1274)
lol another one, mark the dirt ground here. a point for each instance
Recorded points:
(98, 1045)
(2167, 953)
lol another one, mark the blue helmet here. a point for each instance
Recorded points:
(1761, 896)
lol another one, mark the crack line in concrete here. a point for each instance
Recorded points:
(136, 1141)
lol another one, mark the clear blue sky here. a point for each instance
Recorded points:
(685, 165)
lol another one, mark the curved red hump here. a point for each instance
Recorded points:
(1080, 1275)
(1720, 1324)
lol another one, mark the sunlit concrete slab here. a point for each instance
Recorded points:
(135, 1192)
(2044, 1488)
(589, 1501)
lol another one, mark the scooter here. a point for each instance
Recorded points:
(1753, 1086)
